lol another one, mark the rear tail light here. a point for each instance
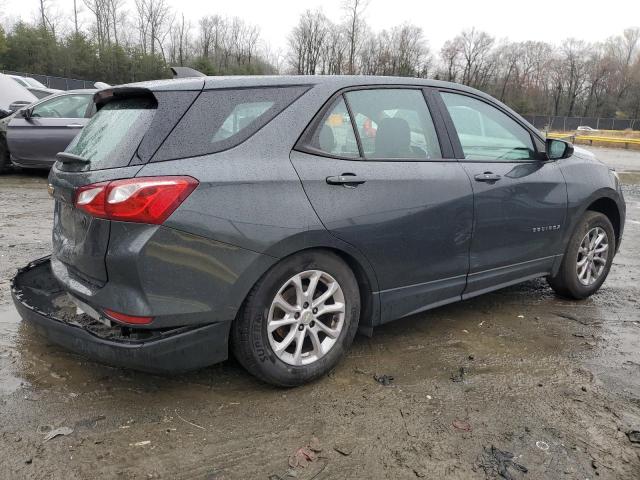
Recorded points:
(129, 319)
(141, 200)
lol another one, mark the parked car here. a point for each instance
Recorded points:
(35, 134)
(586, 128)
(34, 86)
(202, 214)
(13, 94)
(27, 82)
(12, 97)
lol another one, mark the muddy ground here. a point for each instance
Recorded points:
(556, 383)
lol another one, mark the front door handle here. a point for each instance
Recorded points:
(487, 177)
(346, 179)
(74, 125)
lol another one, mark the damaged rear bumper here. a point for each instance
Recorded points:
(41, 300)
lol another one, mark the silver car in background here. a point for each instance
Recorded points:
(34, 135)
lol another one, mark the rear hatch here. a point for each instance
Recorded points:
(122, 136)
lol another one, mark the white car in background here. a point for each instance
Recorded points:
(585, 128)
(34, 86)
(13, 96)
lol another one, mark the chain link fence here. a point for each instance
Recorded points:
(566, 124)
(60, 83)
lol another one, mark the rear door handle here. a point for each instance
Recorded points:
(74, 125)
(487, 177)
(346, 179)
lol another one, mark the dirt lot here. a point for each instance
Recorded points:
(555, 383)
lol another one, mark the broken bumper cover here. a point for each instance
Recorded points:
(40, 300)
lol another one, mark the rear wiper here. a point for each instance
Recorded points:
(66, 157)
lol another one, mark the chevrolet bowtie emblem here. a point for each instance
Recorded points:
(50, 189)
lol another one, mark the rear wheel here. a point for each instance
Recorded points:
(5, 162)
(588, 258)
(298, 320)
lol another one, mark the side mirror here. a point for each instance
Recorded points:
(558, 149)
(17, 105)
(26, 113)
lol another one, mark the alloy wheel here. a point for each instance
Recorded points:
(592, 256)
(306, 317)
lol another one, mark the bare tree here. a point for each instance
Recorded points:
(100, 11)
(451, 58)
(180, 41)
(48, 17)
(306, 42)
(154, 19)
(354, 27)
(476, 49)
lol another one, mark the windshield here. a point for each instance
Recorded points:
(34, 83)
(112, 136)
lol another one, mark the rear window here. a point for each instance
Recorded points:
(222, 119)
(112, 136)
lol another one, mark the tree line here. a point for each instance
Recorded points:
(575, 78)
(116, 41)
(120, 41)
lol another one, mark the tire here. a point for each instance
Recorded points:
(5, 162)
(255, 346)
(566, 282)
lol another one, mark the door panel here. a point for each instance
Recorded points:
(520, 201)
(374, 172)
(412, 220)
(518, 222)
(36, 141)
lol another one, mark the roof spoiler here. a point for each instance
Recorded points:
(103, 97)
(185, 72)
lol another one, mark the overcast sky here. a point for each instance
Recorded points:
(549, 20)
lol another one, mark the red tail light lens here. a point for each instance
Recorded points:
(130, 319)
(141, 200)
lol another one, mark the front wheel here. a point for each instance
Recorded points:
(587, 260)
(298, 320)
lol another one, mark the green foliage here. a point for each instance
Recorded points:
(3, 44)
(33, 49)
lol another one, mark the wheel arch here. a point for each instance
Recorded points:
(604, 200)
(359, 265)
(609, 208)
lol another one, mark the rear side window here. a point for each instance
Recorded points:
(112, 136)
(221, 119)
(334, 133)
(390, 123)
(394, 123)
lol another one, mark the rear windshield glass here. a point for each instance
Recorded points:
(221, 119)
(112, 136)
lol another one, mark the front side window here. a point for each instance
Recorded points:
(394, 124)
(485, 132)
(64, 106)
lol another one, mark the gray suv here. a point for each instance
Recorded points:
(276, 216)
